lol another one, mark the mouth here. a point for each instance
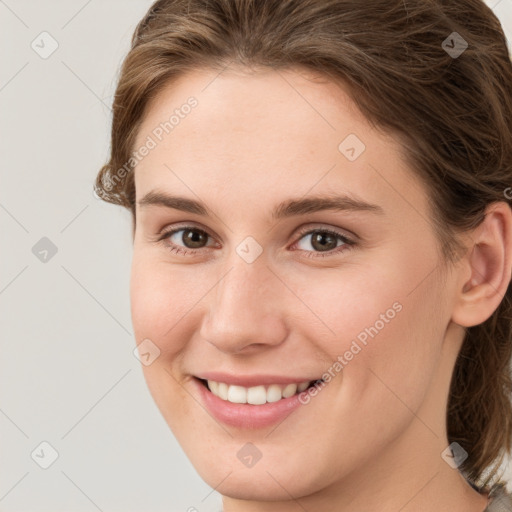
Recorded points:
(256, 395)
(258, 400)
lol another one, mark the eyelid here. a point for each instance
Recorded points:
(343, 233)
(301, 231)
(168, 229)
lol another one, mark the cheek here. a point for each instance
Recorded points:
(158, 299)
(157, 305)
(397, 338)
(380, 320)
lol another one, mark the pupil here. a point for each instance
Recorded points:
(193, 237)
(319, 236)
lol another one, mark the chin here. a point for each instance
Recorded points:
(258, 485)
(275, 477)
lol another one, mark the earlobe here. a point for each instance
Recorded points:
(490, 265)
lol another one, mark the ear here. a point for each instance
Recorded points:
(488, 263)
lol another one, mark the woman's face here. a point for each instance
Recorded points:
(273, 287)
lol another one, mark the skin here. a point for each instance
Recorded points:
(373, 436)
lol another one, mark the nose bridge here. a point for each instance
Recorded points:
(243, 310)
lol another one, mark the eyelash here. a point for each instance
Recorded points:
(347, 243)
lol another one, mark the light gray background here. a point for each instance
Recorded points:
(68, 375)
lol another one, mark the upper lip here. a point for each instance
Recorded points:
(251, 380)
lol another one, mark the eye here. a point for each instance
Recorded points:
(193, 238)
(325, 241)
(187, 240)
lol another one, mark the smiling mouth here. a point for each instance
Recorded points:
(256, 395)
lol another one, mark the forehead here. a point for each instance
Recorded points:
(260, 130)
(261, 101)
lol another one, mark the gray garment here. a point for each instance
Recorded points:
(501, 500)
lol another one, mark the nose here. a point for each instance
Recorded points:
(245, 311)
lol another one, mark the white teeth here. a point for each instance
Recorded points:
(222, 390)
(274, 393)
(237, 394)
(302, 386)
(256, 395)
(214, 386)
(289, 390)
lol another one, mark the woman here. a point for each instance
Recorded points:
(322, 227)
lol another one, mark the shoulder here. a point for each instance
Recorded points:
(501, 499)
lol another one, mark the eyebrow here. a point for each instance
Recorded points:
(288, 208)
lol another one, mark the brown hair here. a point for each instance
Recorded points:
(453, 114)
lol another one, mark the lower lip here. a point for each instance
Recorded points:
(247, 415)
